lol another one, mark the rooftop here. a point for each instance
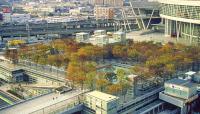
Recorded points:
(102, 96)
(190, 73)
(181, 82)
(82, 33)
(99, 31)
(119, 32)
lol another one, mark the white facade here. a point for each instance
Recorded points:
(102, 103)
(181, 19)
(102, 40)
(82, 37)
(119, 36)
(99, 32)
(181, 2)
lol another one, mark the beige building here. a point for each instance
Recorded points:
(101, 103)
(102, 12)
(98, 2)
(113, 3)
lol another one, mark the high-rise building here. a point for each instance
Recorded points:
(181, 18)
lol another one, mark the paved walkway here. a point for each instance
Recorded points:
(39, 103)
(154, 36)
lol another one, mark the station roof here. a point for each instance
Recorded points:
(102, 96)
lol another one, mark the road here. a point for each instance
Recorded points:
(40, 103)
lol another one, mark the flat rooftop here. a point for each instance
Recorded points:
(103, 96)
(176, 100)
(82, 33)
(181, 82)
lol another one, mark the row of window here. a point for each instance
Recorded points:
(182, 11)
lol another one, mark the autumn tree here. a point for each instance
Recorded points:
(72, 72)
(101, 84)
(114, 89)
(81, 72)
(120, 51)
(133, 54)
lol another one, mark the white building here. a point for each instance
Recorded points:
(119, 36)
(82, 37)
(101, 103)
(101, 40)
(99, 32)
(181, 19)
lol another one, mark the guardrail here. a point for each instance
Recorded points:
(22, 101)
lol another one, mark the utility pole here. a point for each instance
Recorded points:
(28, 30)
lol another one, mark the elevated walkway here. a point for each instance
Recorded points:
(49, 103)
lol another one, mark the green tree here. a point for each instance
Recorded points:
(91, 80)
(121, 75)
